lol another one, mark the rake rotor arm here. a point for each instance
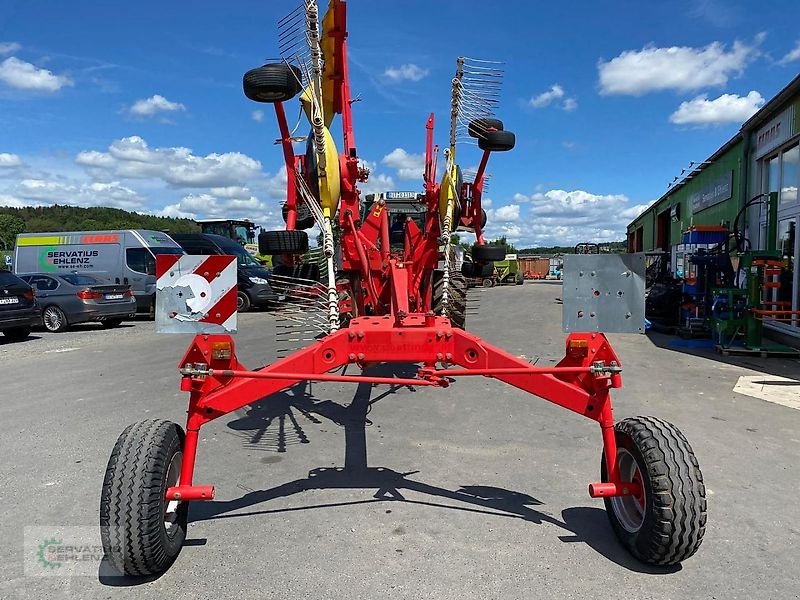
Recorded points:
(289, 160)
(477, 192)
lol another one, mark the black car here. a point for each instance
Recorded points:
(252, 279)
(18, 308)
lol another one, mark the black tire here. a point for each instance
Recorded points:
(242, 302)
(110, 323)
(283, 242)
(484, 218)
(497, 141)
(488, 252)
(306, 222)
(668, 528)
(305, 271)
(133, 509)
(488, 282)
(480, 127)
(277, 82)
(54, 319)
(17, 334)
(520, 279)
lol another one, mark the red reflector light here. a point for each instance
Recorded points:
(89, 295)
(29, 295)
(128, 294)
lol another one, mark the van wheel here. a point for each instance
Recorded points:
(242, 302)
(54, 319)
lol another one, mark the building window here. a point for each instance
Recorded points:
(790, 173)
(786, 242)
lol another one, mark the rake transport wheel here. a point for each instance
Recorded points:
(142, 532)
(480, 127)
(664, 525)
(305, 219)
(283, 242)
(277, 82)
(487, 253)
(497, 141)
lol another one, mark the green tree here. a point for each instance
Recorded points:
(10, 227)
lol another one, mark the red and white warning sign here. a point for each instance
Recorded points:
(195, 294)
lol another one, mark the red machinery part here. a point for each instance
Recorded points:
(389, 301)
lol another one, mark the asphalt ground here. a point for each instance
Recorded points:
(476, 491)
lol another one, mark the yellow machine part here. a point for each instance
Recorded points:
(446, 192)
(330, 184)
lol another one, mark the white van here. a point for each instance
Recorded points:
(124, 256)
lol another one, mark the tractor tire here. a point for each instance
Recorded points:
(666, 523)
(480, 127)
(283, 242)
(242, 302)
(17, 334)
(497, 141)
(520, 280)
(142, 532)
(308, 271)
(277, 82)
(54, 319)
(488, 253)
(304, 218)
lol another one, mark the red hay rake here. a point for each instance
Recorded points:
(387, 302)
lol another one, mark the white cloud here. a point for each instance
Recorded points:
(505, 214)
(559, 217)
(132, 158)
(407, 72)
(377, 182)
(9, 47)
(150, 107)
(792, 55)
(651, 69)
(630, 213)
(728, 108)
(569, 104)
(555, 95)
(8, 160)
(258, 116)
(409, 166)
(23, 75)
(80, 194)
(555, 92)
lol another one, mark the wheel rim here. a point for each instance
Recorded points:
(629, 510)
(53, 319)
(172, 507)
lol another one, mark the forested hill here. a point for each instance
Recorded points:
(73, 218)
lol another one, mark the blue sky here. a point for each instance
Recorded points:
(139, 105)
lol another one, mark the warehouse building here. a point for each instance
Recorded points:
(709, 197)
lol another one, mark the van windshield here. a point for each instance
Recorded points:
(142, 259)
(243, 257)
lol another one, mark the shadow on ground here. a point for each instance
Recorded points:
(582, 524)
(784, 367)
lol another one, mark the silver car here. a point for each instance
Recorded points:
(71, 298)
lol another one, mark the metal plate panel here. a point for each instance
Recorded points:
(604, 292)
(196, 294)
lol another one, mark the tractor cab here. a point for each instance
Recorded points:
(241, 231)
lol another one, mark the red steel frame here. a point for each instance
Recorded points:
(391, 318)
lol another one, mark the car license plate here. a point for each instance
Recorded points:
(114, 296)
(9, 300)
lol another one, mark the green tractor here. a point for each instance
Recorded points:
(242, 231)
(508, 271)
